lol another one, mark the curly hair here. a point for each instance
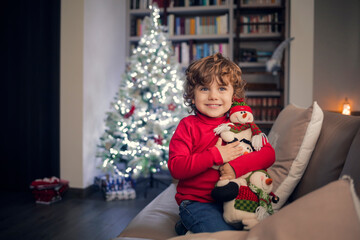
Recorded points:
(205, 70)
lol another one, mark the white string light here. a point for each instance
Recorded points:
(148, 105)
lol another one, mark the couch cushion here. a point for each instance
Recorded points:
(328, 159)
(293, 136)
(157, 220)
(352, 163)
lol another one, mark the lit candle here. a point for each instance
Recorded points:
(346, 108)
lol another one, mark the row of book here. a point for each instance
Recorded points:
(263, 101)
(268, 23)
(260, 2)
(199, 25)
(254, 55)
(189, 3)
(264, 108)
(185, 53)
(265, 114)
(206, 25)
(144, 4)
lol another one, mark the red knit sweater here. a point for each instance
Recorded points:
(192, 153)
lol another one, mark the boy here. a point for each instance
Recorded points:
(211, 84)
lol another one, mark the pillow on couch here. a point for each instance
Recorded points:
(293, 136)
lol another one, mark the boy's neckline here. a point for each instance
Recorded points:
(211, 120)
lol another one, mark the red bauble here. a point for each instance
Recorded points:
(158, 140)
(171, 106)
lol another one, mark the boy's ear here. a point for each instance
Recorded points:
(193, 101)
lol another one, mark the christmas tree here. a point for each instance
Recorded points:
(147, 107)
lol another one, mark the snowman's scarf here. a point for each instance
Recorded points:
(238, 127)
(264, 198)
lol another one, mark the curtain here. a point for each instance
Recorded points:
(30, 92)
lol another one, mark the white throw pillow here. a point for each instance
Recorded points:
(293, 136)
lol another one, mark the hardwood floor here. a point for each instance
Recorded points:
(71, 218)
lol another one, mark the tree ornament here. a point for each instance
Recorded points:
(131, 112)
(158, 139)
(171, 106)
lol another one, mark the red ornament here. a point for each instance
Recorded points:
(171, 107)
(158, 140)
(130, 113)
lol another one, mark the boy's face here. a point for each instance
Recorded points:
(213, 100)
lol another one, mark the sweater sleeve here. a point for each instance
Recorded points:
(183, 163)
(257, 160)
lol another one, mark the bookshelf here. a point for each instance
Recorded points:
(246, 31)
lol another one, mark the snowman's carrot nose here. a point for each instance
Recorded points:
(268, 181)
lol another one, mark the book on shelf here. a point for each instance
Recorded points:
(190, 3)
(261, 87)
(144, 4)
(260, 2)
(259, 23)
(248, 55)
(253, 55)
(136, 26)
(199, 25)
(187, 52)
(263, 56)
(264, 108)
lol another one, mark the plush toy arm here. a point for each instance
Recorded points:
(261, 213)
(274, 198)
(222, 128)
(257, 141)
(240, 181)
(225, 193)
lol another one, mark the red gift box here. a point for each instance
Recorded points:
(49, 190)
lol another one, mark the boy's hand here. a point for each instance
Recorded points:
(230, 151)
(227, 172)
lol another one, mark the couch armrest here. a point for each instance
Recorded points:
(157, 220)
(327, 213)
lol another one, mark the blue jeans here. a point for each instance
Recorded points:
(202, 217)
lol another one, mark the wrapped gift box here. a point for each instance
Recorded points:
(116, 187)
(48, 190)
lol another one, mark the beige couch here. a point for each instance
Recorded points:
(316, 174)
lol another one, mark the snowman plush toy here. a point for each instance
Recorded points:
(247, 199)
(241, 126)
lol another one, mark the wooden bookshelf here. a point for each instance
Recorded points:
(266, 23)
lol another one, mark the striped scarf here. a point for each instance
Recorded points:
(238, 127)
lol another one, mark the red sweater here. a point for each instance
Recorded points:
(192, 153)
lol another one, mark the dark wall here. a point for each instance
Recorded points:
(29, 92)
